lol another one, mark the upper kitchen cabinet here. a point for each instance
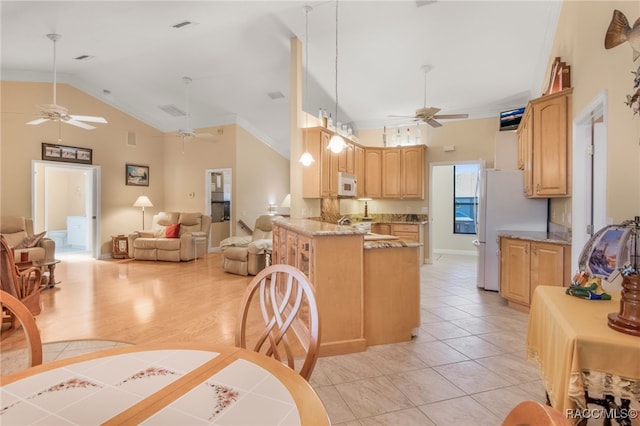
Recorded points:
(359, 170)
(544, 138)
(402, 172)
(320, 179)
(373, 172)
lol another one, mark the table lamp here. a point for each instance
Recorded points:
(143, 201)
(366, 207)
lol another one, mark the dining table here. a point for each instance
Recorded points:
(168, 384)
(581, 359)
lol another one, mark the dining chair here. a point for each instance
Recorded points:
(289, 313)
(19, 313)
(533, 413)
(22, 283)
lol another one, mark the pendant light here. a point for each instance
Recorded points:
(336, 143)
(306, 158)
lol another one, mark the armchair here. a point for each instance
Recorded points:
(18, 232)
(246, 255)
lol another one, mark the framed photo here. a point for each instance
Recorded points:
(136, 175)
(70, 154)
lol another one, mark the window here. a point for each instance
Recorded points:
(465, 198)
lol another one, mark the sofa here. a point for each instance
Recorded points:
(247, 255)
(174, 237)
(18, 232)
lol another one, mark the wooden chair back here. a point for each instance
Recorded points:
(291, 325)
(533, 413)
(23, 285)
(19, 313)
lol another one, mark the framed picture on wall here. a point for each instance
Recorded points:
(136, 175)
(70, 154)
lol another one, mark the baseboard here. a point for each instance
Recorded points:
(460, 252)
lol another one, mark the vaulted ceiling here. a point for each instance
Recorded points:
(486, 56)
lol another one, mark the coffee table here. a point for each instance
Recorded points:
(51, 267)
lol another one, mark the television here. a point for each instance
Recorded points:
(509, 120)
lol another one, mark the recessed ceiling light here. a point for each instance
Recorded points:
(184, 24)
(275, 95)
(84, 57)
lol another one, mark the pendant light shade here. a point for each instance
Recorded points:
(336, 144)
(306, 159)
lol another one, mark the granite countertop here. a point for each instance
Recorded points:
(384, 244)
(314, 228)
(542, 237)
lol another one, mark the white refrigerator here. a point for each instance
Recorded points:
(502, 206)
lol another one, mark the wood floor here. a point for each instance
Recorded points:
(142, 301)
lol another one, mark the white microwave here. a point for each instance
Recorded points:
(346, 185)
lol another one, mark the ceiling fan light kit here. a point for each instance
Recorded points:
(55, 112)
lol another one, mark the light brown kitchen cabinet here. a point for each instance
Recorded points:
(373, 172)
(544, 141)
(410, 232)
(334, 266)
(320, 179)
(359, 170)
(346, 158)
(525, 264)
(402, 172)
(412, 176)
(391, 173)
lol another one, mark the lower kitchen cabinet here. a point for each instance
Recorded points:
(525, 264)
(334, 265)
(410, 232)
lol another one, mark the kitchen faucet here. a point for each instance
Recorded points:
(344, 220)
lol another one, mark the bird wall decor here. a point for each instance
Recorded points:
(620, 31)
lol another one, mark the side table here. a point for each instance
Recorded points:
(120, 247)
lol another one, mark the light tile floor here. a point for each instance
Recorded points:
(466, 367)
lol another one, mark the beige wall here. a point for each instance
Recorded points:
(261, 177)
(579, 42)
(172, 176)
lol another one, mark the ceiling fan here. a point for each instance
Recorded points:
(188, 132)
(55, 112)
(430, 115)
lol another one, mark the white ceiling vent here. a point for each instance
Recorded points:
(275, 95)
(173, 110)
(84, 57)
(184, 24)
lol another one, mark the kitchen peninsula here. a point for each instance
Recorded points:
(367, 286)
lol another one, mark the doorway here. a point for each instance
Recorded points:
(447, 225)
(589, 201)
(65, 202)
(218, 205)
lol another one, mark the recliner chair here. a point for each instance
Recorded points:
(246, 255)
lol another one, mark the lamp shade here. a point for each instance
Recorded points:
(336, 144)
(143, 201)
(286, 202)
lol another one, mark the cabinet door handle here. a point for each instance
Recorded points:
(526, 249)
(534, 250)
(537, 188)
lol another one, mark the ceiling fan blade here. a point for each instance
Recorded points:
(79, 124)
(433, 123)
(38, 121)
(88, 118)
(427, 112)
(401, 116)
(450, 116)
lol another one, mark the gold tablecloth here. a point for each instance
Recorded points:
(576, 351)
